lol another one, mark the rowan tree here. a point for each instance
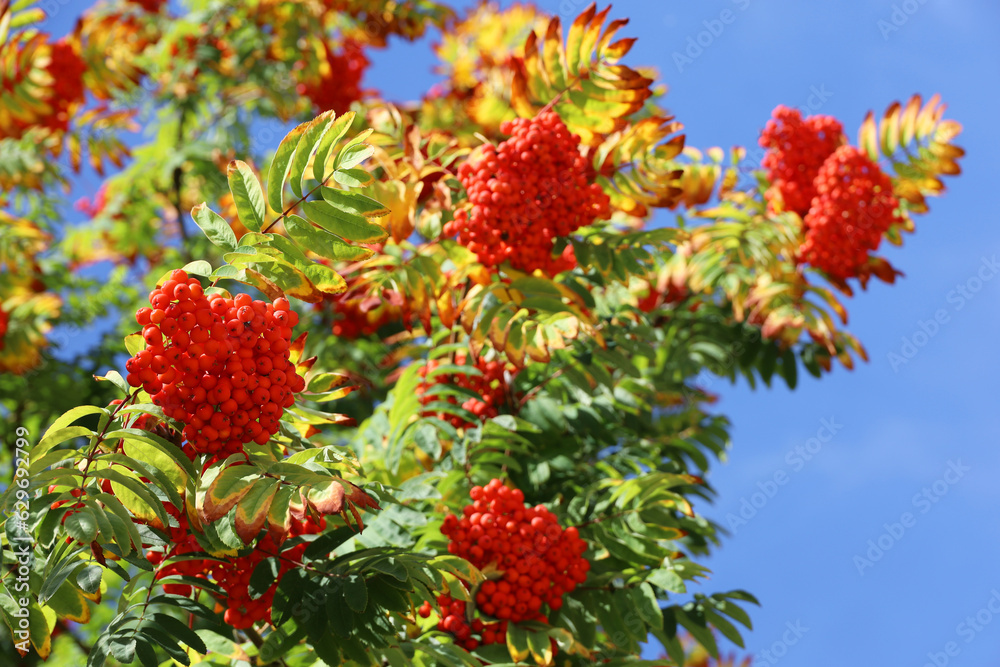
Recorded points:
(396, 383)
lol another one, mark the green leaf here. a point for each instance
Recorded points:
(263, 577)
(278, 171)
(354, 155)
(179, 630)
(329, 140)
(314, 133)
(353, 178)
(323, 243)
(160, 458)
(356, 592)
(134, 343)
(349, 226)
(81, 525)
(89, 578)
(69, 603)
(247, 194)
(354, 202)
(517, 643)
(115, 378)
(540, 647)
(134, 495)
(215, 227)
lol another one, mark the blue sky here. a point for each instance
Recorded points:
(883, 433)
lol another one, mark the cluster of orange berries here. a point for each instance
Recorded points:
(846, 202)
(232, 574)
(538, 563)
(525, 193)
(490, 388)
(219, 365)
(339, 83)
(796, 149)
(854, 206)
(66, 68)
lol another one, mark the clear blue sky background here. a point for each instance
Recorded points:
(897, 428)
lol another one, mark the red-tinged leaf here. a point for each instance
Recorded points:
(231, 485)
(252, 510)
(609, 33)
(328, 498)
(303, 367)
(265, 285)
(279, 520)
(296, 348)
(574, 39)
(588, 44)
(552, 55)
(357, 496)
(326, 381)
(298, 506)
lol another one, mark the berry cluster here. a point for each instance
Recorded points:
(218, 365)
(232, 574)
(490, 387)
(151, 6)
(656, 296)
(853, 208)
(525, 193)
(537, 562)
(66, 69)
(339, 82)
(4, 325)
(796, 149)
(454, 621)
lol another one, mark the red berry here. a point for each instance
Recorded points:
(526, 192)
(854, 206)
(796, 149)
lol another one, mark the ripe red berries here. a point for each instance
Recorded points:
(844, 199)
(66, 69)
(540, 562)
(490, 386)
(339, 83)
(208, 358)
(796, 149)
(232, 573)
(853, 208)
(526, 192)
